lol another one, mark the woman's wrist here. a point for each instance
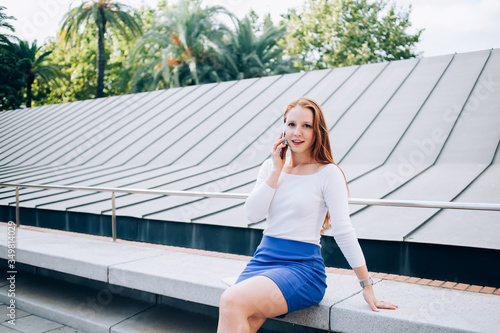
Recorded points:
(367, 282)
(368, 287)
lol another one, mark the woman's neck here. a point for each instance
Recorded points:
(300, 159)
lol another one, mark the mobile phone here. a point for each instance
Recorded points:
(282, 150)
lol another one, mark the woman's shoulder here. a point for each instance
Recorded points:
(330, 168)
(332, 172)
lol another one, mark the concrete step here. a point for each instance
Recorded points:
(30, 323)
(55, 306)
(100, 311)
(148, 276)
(80, 307)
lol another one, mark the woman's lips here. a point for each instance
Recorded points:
(297, 143)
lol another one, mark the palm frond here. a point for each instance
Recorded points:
(3, 18)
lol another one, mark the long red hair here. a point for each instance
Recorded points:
(321, 150)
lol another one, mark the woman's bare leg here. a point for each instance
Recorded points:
(245, 306)
(255, 323)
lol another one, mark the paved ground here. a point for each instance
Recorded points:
(29, 323)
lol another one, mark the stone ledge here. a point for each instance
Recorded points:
(73, 255)
(191, 277)
(198, 278)
(421, 309)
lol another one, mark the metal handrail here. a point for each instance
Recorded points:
(131, 190)
(353, 201)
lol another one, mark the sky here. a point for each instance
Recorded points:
(450, 25)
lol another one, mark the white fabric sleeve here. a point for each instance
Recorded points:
(259, 200)
(335, 195)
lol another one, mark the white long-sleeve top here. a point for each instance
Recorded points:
(297, 207)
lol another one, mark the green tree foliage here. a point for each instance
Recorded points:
(254, 51)
(5, 38)
(11, 82)
(83, 74)
(183, 48)
(334, 33)
(98, 16)
(35, 65)
(186, 44)
(189, 45)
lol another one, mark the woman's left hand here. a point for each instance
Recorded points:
(375, 304)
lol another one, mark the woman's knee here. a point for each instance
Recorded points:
(230, 302)
(256, 322)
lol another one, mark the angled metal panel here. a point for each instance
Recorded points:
(376, 144)
(368, 106)
(119, 137)
(215, 137)
(467, 228)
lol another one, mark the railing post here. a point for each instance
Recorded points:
(17, 207)
(113, 216)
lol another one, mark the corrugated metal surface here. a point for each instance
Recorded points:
(422, 129)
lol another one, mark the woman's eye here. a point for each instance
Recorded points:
(291, 124)
(308, 126)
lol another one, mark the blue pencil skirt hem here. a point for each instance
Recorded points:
(296, 267)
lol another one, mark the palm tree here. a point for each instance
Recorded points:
(185, 49)
(11, 83)
(5, 38)
(99, 15)
(255, 55)
(193, 48)
(35, 66)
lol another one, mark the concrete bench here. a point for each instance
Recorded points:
(199, 279)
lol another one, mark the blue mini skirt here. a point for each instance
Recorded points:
(296, 267)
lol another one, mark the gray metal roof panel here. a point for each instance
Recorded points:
(475, 136)
(437, 183)
(86, 201)
(89, 142)
(377, 142)
(364, 112)
(214, 181)
(16, 118)
(235, 183)
(149, 139)
(381, 116)
(119, 137)
(52, 145)
(465, 227)
(203, 135)
(177, 135)
(451, 89)
(29, 141)
(349, 92)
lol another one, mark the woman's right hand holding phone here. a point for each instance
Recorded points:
(278, 153)
(278, 162)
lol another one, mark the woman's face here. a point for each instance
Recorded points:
(299, 129)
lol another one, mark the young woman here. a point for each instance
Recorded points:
(299, 196)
